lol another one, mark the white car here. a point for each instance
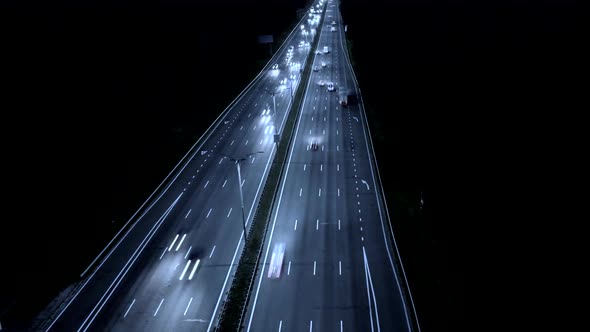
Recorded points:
(322, 83)
(323, 63)
(330, 86)
(316, 68)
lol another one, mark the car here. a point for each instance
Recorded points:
(314, 146)
(332, 29)
(323, 63)
(318, 52)
(275, 66)
(316, 68)
(276, 261)
(322, 83)
(330, 86)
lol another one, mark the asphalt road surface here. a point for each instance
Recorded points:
(171, 267)
(329, 258)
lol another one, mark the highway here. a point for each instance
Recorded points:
(329, 261)
(171, 266)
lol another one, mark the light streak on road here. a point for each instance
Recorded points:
(188, 251)
(190, 277)
(155, 313)
(184, 270)
(172, 245)
(131, 305)
(179, 243)
(188, 305)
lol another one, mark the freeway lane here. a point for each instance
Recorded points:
(338, 271)
(146, 282)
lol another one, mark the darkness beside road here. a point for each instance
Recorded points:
(104, 99)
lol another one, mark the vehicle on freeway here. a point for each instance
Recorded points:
(314, 146)
(330, 86)
(322, 83)
(276, 261)
(332, 29)
(318, 52)
(326, 49)
(316, 68)
(343, 97)
(323, 63)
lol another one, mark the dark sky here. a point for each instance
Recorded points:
(102, 98)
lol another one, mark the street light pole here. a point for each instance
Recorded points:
(237, 162)
(241, 197)
(274, 116)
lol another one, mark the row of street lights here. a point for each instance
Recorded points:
(237, 161)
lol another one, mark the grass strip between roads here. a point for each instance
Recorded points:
(233, 310)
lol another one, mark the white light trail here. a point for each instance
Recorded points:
(184, 270)
(172, 245)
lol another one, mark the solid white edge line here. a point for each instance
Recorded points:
(273, 151)
(278, 206)
(362, 108)
(94, 312)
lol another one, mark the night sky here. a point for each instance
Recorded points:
(102, 98)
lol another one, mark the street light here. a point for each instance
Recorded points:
(292, 79)
(237, 162)
(274, 115)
